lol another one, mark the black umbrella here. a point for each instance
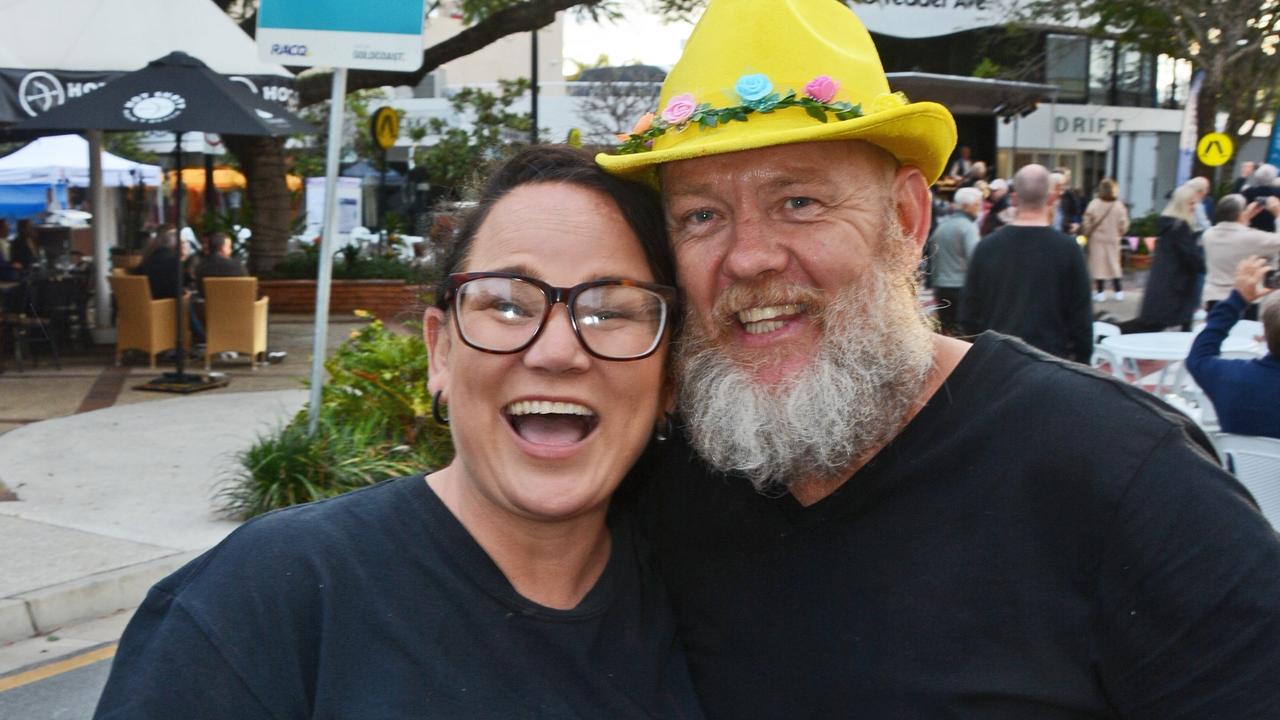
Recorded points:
(178, 94)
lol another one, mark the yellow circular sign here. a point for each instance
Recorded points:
(385, 127)
(1214, 149)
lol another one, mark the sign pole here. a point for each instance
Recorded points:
(337, 108)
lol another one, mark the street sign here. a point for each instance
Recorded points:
(1215, 149)
(384, 126)
(370, 35)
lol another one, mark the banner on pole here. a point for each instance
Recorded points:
(369, 35)
(1273, 147)
(1189, 137)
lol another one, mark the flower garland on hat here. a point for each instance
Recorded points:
(756, 92)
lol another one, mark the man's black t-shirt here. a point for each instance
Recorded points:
(379, 604)
(1039, 542)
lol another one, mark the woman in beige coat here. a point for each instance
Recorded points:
(1105, 222)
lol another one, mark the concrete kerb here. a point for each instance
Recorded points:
(115, 517)
(40, 612)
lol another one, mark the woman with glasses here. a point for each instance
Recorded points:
(495, 587)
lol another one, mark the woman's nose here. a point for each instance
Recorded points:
(557, 348)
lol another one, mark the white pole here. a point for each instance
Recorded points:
(98, 204)
(337, 108)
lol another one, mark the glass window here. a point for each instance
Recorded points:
(1066, 64)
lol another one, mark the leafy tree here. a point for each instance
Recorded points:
(1233, 42)
(451, 162)
(615, 97)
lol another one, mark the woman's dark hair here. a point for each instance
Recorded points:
(639, 205)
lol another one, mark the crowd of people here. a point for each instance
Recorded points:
(1005, 257)
(160, 264)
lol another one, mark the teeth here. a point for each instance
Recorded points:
(763, 327)
(756, 314)
(547, 407)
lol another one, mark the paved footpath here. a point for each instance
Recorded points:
(112, 500)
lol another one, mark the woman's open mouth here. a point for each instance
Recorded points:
(546, 422)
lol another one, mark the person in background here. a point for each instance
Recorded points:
(1232, 240)
(1105, 221)
(977, 173)
(961, 166)
(994, 217)
(1204, 203)
(1029, 280)
(1069, 207)
(24, 251)
(1245, 393)
(1170, 297)
(160, 264)
(1247, 169)
(1260, 188)
(7, 271)
(498, 586)
(218, 262)
(953, 244)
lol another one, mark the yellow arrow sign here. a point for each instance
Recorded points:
(385, 124)
(1214, 149)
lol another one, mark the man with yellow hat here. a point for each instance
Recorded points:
(864, 518)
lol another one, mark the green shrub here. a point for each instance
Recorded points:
(305, 265)
(1145, 226)
(375, 423)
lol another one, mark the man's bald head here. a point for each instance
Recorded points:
(1031, 183)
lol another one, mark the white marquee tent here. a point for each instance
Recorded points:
(65, 158)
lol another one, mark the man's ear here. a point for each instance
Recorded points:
(913, 205)
(435, 333)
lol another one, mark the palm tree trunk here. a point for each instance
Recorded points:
(263, 163)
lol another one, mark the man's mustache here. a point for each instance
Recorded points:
(766, 292)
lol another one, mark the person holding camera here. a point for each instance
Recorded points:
(1245, 393)
(1232, 240)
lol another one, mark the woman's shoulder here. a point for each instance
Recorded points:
(313, 539)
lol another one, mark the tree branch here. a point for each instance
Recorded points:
(522, 17)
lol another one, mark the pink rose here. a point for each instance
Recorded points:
(679, 108)
(822, 88)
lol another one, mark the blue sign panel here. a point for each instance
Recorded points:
(370, 34)
(371, 16)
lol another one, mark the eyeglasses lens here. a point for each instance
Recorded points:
(614, 321)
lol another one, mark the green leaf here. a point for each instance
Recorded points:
(815, 112)
(707, 121)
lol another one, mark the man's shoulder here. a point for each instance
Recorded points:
(1064, 396)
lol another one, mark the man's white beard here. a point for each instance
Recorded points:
(875, 354)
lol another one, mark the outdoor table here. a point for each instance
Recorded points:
(1168, 346)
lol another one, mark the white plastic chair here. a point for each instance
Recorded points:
(1103, 355)
(1255, 461)
(1104, 329)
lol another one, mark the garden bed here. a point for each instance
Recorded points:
(387, 299)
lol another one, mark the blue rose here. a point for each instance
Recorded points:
(753, 87)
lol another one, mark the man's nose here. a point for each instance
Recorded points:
(557, 348)
(754, 250)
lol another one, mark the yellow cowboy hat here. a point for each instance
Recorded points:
(757, 73)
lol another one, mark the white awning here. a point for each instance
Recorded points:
(65, 158)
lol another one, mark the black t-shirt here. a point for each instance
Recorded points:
(1039, 542)
(379, 604)
(1032, 283)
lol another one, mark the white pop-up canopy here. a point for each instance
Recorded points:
(65, 158)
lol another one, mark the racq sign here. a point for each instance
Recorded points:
(930, 18)
(370, 34)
